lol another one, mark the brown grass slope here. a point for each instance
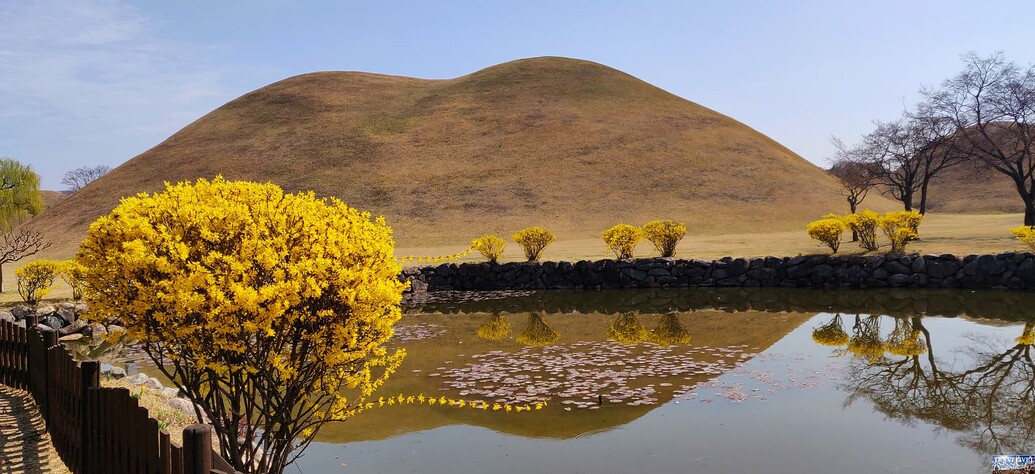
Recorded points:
(572, 145)
(971, 188)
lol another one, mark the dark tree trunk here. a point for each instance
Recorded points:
(1029, 213)
(854, 205)
(923, 198)
(907, 200)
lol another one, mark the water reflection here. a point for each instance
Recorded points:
(537, 332)
(985, 394)
(626, 329)
(496, 328)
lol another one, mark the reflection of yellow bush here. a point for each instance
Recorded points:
(537, 332)
(900, 227)
(622, 239)
(533, 240)
(904, 340)
(831, 334)
(1026, 235)
(495, 328)
(664, 235)
(669, 331)
(626, 329)
(864, 224)
(490, 246)
(1028, 336)
(827, 231)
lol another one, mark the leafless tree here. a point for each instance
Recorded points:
(992, 103)
(904, 155)
(853, 172)
(18, 244)
(80, 177)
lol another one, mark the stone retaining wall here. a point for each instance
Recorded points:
(1007, 270)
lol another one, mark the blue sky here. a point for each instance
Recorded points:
(91, 82)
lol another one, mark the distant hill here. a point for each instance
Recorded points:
(51, 198)
(970, 188)
(571, 145)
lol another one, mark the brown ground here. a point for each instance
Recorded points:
(24, 443)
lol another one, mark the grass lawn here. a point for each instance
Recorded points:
(960, 234)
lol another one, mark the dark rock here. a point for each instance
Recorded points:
(941, 268)
(874, 262)
(894, 267)
(880, 274)
(74, 327)
(53, 322)
(919, 265)
(67, 314)
(22, 312)
(898, 280)
(45, 310)
(739, 266)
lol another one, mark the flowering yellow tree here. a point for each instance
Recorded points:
(490, 246)
(35, 279)
(622, 239)
(900, 227)
(71, 271)
(664, 235)
(828, 231)
(864, 224)
(1025, 235)
(533, 240)
(267, 309)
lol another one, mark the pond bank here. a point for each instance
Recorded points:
(1015, 271)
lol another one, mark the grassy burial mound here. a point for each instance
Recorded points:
(571, 145)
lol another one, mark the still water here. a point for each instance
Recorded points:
(723, 381)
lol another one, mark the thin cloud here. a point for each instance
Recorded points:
(94, 71)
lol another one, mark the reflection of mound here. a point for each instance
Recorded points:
(455, 350)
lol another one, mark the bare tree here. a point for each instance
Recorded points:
(891, 148)
(992, 103)
(905, 154)
(18, 244)
(80, 177)
(856, 176)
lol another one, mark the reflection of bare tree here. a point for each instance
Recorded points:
(670, 331)
(992, 404)
(495, 328)
(537, 332)
(626, 329)
(865, 341)
(832, 333)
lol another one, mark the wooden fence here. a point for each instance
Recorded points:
(96, 429)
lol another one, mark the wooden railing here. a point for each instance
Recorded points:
(96, 429)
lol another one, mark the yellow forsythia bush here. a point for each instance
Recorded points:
(71, 271)
(900, 227)
(664, 235)
(244, 291)
(491, 246)
(35, 279)
(533, 240)
(622, 239)
(864, 224)
(1026, 235)
(828, 231)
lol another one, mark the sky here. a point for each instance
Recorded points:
(96, 82)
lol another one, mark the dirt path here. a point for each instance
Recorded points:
(24, 442)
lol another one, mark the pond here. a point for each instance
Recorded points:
(764, 380)
(775, 381)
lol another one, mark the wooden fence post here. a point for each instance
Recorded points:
(89, 377)
(197, 449)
